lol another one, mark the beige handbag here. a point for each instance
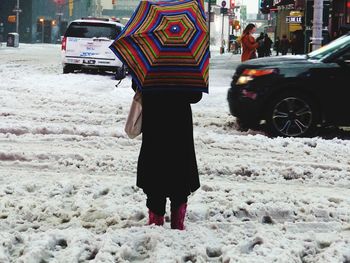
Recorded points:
(134, 120)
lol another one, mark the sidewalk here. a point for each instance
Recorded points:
(225, 61)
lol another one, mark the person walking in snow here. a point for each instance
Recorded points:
(277, 45)
(249, 45)
(167, 166)
(284, 45)
(267, 45)
(260, 49)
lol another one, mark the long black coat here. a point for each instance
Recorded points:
(167, 162)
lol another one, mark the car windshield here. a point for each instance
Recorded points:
(90, 30)
(329, 49)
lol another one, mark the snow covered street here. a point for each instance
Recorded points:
(68, 173)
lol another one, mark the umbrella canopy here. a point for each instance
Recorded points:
(165, 45)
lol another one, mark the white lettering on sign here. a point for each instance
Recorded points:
(293, 19)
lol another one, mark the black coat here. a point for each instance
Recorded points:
(167, 162)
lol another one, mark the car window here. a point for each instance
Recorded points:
(331, 48)
(90, 30)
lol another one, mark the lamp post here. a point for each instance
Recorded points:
(317, 24)
(17, 10)
(223, 10)
(42, 20)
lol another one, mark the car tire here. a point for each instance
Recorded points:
(120, 73)
(244, 125)
(241, 125)
(68, 69)
(292, 114)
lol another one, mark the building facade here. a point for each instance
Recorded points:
(294, 18)
(121, 9)
(42, 21)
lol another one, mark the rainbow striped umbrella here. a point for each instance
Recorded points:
(165, 45)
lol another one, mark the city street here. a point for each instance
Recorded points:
(68, 174)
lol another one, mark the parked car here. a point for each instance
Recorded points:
(86, 45)
(294, 95)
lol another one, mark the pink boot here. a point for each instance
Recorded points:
(155, 219)
(178, 217)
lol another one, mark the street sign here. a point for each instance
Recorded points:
(223, 3)
(223, 10)
(17, 10)
(212, 2)
(231, 12)
(293, 19)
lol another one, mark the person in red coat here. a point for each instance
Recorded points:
(249, 45)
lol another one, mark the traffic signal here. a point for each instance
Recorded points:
(237, 25)
(232, 4)
(11, 19)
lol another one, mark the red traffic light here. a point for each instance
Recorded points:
(232, 4)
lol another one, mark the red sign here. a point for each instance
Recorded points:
(59, 2)
(232, 4)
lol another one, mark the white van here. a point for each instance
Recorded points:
(86, 45)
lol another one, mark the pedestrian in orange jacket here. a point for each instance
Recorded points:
(249, 45)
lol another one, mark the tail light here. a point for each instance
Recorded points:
(64, 43)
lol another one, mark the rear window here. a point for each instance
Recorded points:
(90, 30)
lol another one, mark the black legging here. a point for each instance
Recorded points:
(157, 204)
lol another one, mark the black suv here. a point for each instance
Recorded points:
(294, 95)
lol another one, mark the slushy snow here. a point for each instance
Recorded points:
(68, 173)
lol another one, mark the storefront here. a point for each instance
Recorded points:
(289, 19)
(293, 18)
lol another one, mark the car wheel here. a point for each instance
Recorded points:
(68, 69)
(292, 115)
(120, 73)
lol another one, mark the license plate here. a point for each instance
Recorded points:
(89, 61)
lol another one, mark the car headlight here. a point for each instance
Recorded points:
(242, 80)
(250, 74)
